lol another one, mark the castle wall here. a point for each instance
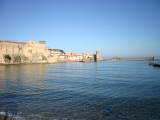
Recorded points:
(36, 52)
(30, 51)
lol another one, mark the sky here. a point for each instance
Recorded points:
(112, 27)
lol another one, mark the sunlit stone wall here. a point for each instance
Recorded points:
(37, 52)
(30, 51)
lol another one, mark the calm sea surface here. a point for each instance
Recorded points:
(124, 90)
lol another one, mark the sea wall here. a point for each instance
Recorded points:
(128, 59)
(37, 52)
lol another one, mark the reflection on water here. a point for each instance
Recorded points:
(81, 91)
(15, 78)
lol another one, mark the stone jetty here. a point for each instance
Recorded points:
(128, 59)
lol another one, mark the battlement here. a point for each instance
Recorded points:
(42, 42)
(7, 41)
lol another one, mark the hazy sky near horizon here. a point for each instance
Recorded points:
(113, 27)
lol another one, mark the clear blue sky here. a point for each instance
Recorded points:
(114, 27)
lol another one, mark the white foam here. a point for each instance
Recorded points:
(2, 113)
(20, 116)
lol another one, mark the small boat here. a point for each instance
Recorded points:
(155, 64)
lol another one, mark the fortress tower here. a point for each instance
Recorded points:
(97, 56)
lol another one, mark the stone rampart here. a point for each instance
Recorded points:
(36, 52)
(23, 52)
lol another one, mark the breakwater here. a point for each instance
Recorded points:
(128, 59)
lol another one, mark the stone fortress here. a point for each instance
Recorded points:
(37, 52)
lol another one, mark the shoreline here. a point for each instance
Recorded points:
(45, 62)
(100, 60)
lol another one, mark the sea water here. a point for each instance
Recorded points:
(117, 90)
